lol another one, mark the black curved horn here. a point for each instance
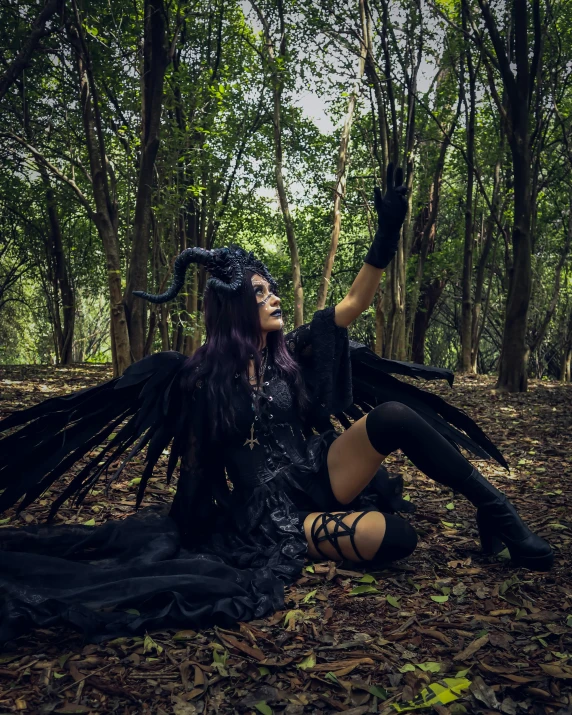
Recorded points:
(227, 272)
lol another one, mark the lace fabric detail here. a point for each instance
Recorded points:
(281, 394)
(299, 342)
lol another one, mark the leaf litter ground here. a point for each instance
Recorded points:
(447, 631)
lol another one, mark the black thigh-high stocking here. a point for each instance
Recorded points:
(392, 426)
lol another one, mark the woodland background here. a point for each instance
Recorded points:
(130, 131)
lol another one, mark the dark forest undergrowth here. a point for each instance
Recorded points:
(448, 630)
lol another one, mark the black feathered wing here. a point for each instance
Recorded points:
(118, 418)
(373, 383)
(346, 379)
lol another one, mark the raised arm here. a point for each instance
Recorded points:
(391, 210)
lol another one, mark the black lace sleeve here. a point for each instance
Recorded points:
(298, 342)
(322, 350)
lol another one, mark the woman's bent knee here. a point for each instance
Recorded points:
(370, 532)
(385, 423)
(399, 541)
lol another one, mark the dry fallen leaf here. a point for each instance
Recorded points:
(472, 648)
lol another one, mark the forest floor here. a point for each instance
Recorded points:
(446, 631)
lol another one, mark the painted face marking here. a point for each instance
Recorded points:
(264, 286)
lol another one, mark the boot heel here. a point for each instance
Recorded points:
(531, 553)
(491, 544)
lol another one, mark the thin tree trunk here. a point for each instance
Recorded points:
(163, 329)
(341, 175)
(539, 337)
(38, 31)
(428, 299)
(379, 321)
(370, 67)
(277, 86)
(428, 235)
(63, 291)
(566, 368)
(481, 328)
(106, 211)
(156, 59)
(288, 223)
(394, 303)
(65, 288)
(467, 275)
(490, 228)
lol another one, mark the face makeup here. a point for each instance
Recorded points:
(268, 304)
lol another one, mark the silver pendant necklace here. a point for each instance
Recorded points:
(262, 370)
(250, 442)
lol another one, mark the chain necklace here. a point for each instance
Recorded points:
(262, 370)
(250, 442)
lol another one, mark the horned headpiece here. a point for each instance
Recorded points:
(226, 266)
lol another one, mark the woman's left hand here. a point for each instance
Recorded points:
(391, 208)
(391, 211)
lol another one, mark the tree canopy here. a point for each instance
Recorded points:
(131, 131)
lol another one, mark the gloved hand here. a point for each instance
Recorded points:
(391, 210)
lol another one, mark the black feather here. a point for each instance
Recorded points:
(362, 355)
(57, 433)
(373, 384)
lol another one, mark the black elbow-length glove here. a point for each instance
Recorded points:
(391, 210)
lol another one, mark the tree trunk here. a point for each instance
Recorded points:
(466, 364)
(540, 335)
(64, 285)
(63, 292)
(284, 205)
(427, 239)
(395, 294)
(514, 352)
(341, 175)
(490, 230)
(428, 299)
(379, 321)
(566, 368)
(106, 210)
(22, 59)
(163, 329)
(276, 64)
(526, 56)
(155, 62)
(566, 362)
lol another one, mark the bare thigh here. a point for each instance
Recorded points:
(352, 462)
(369, 533)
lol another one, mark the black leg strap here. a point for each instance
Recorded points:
(321, 532)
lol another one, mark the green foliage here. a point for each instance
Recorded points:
(214, 176)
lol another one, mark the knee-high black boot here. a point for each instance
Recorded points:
(392, 426)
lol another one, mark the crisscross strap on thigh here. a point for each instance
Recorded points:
(320, 532)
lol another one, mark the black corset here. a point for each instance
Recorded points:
(268, 434)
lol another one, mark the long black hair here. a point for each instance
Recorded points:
(233, 338)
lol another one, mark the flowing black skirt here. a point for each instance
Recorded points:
(128, 576)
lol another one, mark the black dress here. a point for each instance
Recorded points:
(224, 551)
